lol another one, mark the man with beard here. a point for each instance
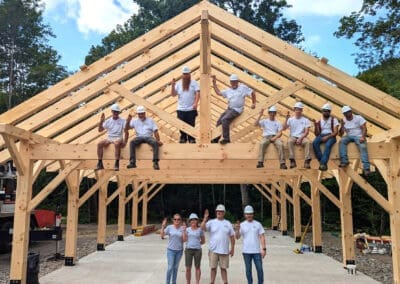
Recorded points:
(326, 130)
(236, 100)
(188, 92)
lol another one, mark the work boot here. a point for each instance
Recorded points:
(292, 163)
(366, 172)
(156, 166)
(100, 165)
(224, 141)
(323, 167)
(116, 165)
(343, 164)
(283, 166)
(307, 164)
(215, 140)
(131, 165)
(260, 165)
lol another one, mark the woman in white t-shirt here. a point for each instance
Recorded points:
(194, 236)
(188, 92)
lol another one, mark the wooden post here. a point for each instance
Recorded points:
(102, 215)
(22, 217)
(316, 215)
(274, 213)
(135, 205)
(205, 71)
(296, 209)
(284, 224)
(394, 200)
(144, 204)
(71, 234)
(121, 210)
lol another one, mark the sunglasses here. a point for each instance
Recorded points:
(176, 219)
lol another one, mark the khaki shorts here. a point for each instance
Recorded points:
(114, 139)
(217, 258)
(190, 254)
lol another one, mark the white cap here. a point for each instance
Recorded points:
(248, 209)
(115, 107)
(346, 109)
(298, 105)
(326, 107)
(140, 109)
(220, 207)
(234, 77)
(193, 216)
(272, 108)
(185, 70)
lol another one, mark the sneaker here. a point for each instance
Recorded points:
(367, 172)
(156, 166)
(100, 166)
(131, 165)
(283, 166)
(307, 164)
(260, 165)
(293, 163)
(224, 141)
(323, 167)
(116, 165)
(343, 165)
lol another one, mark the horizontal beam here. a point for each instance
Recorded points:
(21, 134)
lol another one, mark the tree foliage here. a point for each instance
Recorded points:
(27, 63)
(376, 28)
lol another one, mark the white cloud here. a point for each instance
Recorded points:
(323, 7)
(99, 16)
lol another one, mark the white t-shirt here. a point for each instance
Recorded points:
(114, 127)
(186, 98)
(144, 128)
(298, 125)
(236, 97)
(251, 232)
(220, 233)
(326, 125)
(353, 127)
(270, 127)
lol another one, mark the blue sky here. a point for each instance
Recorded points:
(79, 24)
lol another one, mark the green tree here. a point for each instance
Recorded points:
(376, 28)
(27, 63)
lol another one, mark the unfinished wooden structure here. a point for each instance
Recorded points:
(57, 129)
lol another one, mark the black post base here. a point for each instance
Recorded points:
(350, 261)
(120, 237)
(284, 233)
(15, 282)
(297, 239)
(69, 261)
(100, 247)
(275, 228)
(318, 249)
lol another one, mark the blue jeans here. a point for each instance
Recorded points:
(362, 147)
(173, 257)
(248, 257)
(323, 157)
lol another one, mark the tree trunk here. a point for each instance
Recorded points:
(245, 195)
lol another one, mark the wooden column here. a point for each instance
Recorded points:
(394, 200)
(296, 209)
(71, 235)
(316, 215)
(205, 71)
(284, 225)
(274, 217)
(121, 211)
(144, 204)
(102, 215)
(22, 216)
(135, 205)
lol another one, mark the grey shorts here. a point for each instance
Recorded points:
(190, 254)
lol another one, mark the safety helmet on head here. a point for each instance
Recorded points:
(140, 109)
(193, 216)
(220, 207)
(234, 77)
(248, 209)
(299, 105)
(272, 109)
(185, 70)
(346, 109)
(326, 107)
(115, 107)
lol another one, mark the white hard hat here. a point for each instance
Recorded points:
(248, 209)
(346, 109)
(193, 216)
(220, 207)
(326, 107)
(298, 105)
(272, 109)
(185, 70)
(115, 107)
(140, 109)
(234, 77)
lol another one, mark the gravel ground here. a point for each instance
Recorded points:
(376, 266)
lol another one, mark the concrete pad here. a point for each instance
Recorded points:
(142, 260)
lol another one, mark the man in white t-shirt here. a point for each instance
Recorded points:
(355, 127)
(254, 247)
(145, 128)
(221, 232)
(188, 92)
(236, 96)
(326, 130)
(115, 128)
(299, 129)
(272, 131)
